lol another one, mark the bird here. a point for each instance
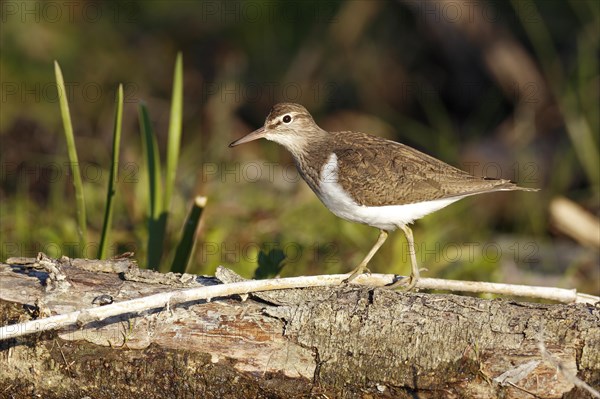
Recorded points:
(367, 179)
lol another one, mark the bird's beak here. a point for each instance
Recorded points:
(255, 135)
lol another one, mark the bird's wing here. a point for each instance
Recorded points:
(389, 173)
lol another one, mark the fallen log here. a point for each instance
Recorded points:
(343, 341)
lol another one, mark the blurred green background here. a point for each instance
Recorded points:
(498, 88)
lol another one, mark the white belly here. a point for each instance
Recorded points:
(388, 217)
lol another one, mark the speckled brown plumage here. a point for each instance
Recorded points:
(377, 172)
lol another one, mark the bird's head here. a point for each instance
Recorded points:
(287, 124)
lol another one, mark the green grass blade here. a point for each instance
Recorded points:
(188, 237)
(175, 123)
(152, 161)
(270, 264)
(112, 180)
(156, 216)
(72, 151)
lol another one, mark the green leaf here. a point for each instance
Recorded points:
(269, 264)
(73, 160)
(112, 180)
(188, 236)
(157, 219)
(175, 123)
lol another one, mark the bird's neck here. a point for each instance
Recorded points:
(301, 146)
(311, 156)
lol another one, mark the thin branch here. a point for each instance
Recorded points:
(552, 293)
(82, 317)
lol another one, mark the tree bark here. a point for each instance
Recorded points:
(348, 342)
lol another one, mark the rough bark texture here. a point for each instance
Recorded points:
(348, 341)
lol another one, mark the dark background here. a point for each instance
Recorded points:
(498, 88)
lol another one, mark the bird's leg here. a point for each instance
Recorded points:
(410, 281)
(362, 267)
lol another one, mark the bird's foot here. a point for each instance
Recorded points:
(406, 283)
(355, 273)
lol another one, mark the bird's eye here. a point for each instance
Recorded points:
(287, 119)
